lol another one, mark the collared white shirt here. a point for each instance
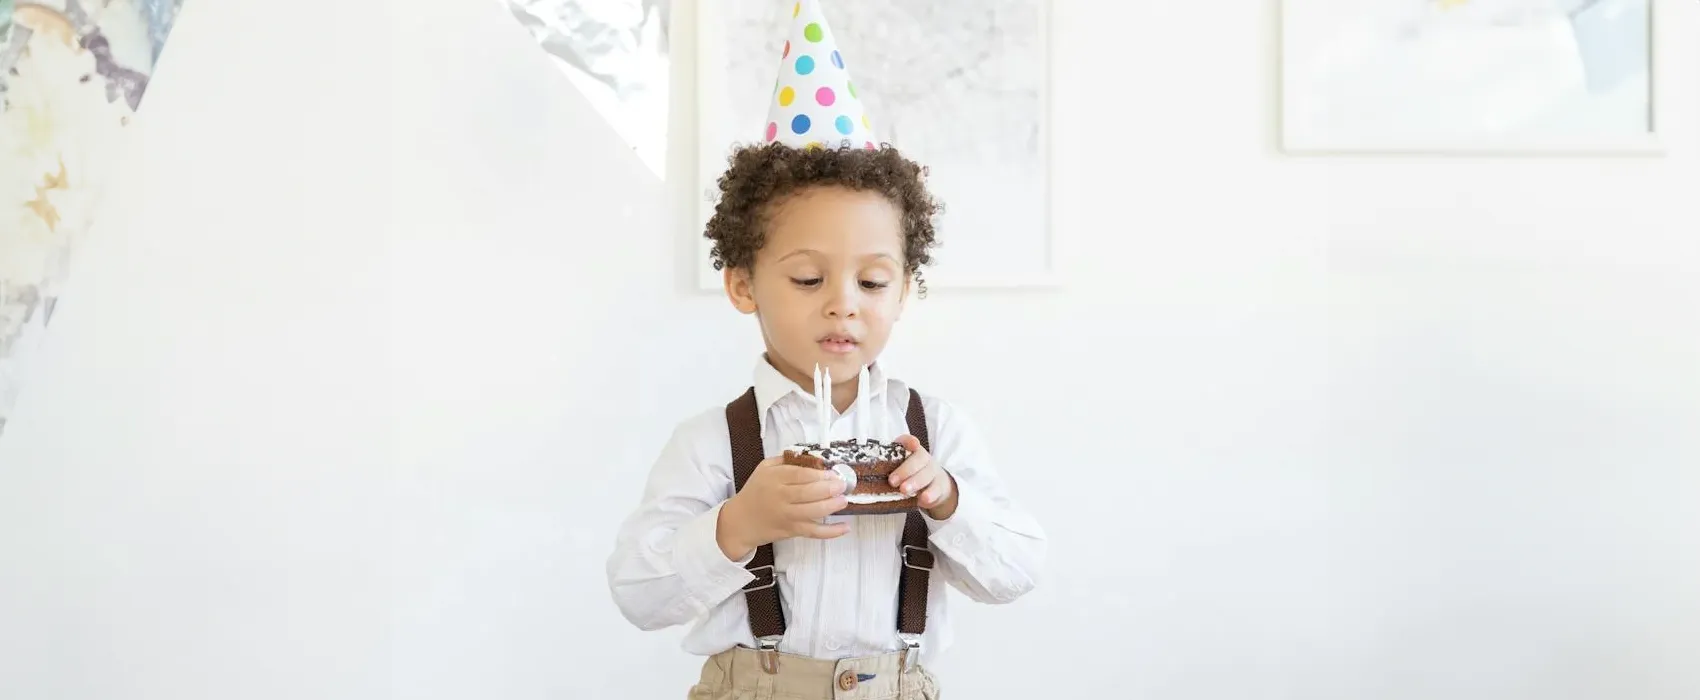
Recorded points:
(839, 595)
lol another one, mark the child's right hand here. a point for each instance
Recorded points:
(779, 501)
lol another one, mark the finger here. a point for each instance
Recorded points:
(794, 474)
(937, 491)
(823, 531)
(821, 508)
(911, 443)
(910, 467)
(814, 490)
(814, 511)
(921, 480)
(778, 463)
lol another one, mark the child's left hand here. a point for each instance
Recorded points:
(920, 474)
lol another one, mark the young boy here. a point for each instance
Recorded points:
(821, 245)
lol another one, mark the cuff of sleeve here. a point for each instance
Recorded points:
(709, 575)
(971, 509)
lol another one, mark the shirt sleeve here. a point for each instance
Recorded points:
(667, 567)
(991, 549)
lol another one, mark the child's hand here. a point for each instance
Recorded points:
(920, 474)
(780, 501)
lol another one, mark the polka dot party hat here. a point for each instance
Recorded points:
(814, 102)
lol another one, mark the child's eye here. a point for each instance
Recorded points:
(810, 282)
(875, 285)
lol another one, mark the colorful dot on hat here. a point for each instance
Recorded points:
(837, 60)
(865, 122)
(787, 51)
(869, 146)
(805, 65)
(786, 96)
(812, 32)
(845, 126)
(852, 87)
(772, 131)
(800, 124)
(825, 97)
(795, 8)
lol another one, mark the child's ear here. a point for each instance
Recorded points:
(738, 290)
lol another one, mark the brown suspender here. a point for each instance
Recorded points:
(767, 617)
(917, 554)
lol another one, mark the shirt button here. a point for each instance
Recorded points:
(847, 681)
(959, 539)
(832, 644)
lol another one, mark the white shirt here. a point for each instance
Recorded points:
(839, 595)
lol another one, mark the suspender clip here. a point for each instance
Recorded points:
(768, 650)
(911, 649)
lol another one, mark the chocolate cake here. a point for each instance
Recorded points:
(865, 465)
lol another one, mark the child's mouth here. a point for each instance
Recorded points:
(837, 345)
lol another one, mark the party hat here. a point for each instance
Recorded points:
(814, 103)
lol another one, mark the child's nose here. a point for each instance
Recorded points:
(844, 303)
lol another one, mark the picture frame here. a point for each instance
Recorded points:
(1423, 77)
(996, 232)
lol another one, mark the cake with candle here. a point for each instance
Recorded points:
(865, 465)
(863, 462)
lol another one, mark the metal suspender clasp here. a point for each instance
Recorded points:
(917, 557)
(760, 581)
(911, 649)
(768, 650)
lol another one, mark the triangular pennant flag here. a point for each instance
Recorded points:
(616, 53)
(72, 75)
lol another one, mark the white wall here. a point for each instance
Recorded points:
(196, 500)
(340, 409)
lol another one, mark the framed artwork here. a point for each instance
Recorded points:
(1469, 76)
(960, 86)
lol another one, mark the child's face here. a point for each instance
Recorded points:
(828, 283)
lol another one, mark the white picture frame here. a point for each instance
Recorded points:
(1556, 71)
(971, 208)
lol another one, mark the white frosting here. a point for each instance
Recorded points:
(856, 451)
(864, 499)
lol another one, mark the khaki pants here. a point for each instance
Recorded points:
(736, 674)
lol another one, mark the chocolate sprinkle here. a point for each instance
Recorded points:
(857, 452)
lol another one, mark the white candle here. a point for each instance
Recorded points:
(820, 422)
(883, 410)
(884, 420)
(826, 409)
(863, 422)
(882, 427)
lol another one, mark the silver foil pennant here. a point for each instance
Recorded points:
(616, 53)
(5, 23)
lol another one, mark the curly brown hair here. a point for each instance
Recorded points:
(759, 177)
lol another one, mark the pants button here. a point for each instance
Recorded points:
(847, 681)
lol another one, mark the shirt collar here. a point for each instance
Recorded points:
(771, 387)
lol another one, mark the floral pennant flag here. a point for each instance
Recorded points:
(72, 75)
